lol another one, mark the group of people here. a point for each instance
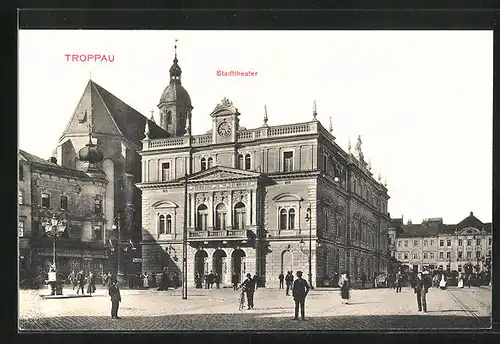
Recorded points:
(208, 279)
(80, 279)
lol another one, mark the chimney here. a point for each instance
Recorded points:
(409, 222)
(53, 160)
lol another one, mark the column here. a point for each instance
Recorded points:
(210, 211)
(249, 210)
(253, 197)
(229, 224)
(192, 219)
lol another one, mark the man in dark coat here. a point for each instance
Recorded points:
(211, 278)
(217, 280)
(289, 282)
(299, 291)
(421, 285)
(114, 293)
(81, 282)
(249, 288)
(235, 280)
(281, 277)
(256, 281)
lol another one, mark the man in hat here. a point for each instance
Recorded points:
(114, 293)
(299, 291)
(421, 286)
(249, 288)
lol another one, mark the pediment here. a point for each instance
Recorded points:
(469, 231)
(164, 204)
(223, 173)
(287, 197)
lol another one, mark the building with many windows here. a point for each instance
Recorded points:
(440, 246)
(255, 200)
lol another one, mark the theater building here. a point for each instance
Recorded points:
(252, 200)
(439, 246)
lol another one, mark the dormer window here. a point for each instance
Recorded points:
(98, 206)
(203, 164)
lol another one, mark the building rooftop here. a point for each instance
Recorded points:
(49, 166)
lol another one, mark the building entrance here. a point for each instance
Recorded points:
(219, 264)
(238, 264)
(200, 262)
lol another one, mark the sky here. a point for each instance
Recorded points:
(421, 100)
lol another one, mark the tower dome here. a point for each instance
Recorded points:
(91, 155)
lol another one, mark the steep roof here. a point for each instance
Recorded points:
(48, 166)
(110, 115)
(470, 221)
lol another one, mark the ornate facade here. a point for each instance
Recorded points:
(438, 246)
(254, 197)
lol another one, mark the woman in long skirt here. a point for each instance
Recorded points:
(145, 281)
(344, 288)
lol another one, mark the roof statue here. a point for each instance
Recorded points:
(265, 116)
(315, 113)
(225, 102)
(147, 130)
(330, 126)
(349, 146)
(379, 176)
(357, 148)
(385, 181)
(369, 164)
(152, 119)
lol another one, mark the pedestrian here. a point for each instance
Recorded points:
(399, 281)
(176, 281)
(145, 281)
(114, 293)
(469, 280)
(281, 278)
(235, 280)
(461, 281)
(107, 281)
(72, 278)
(300, 290)
(199, 281)
(163, 282)
(217, 280)
(344, 288)
(256, 281)
(422, 285)
(289, 282)
(81, 282)
(211, 279)
(91, 287)
(249, 288)
(207, 278)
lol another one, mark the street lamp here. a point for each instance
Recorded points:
(54, 226)
(309, 219)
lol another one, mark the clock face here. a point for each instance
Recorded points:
(224, 129)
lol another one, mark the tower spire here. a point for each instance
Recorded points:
(175, 70)
(175, 49)
(265, 115)
(152, 119)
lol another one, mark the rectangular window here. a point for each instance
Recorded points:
(98, 233)
(440, 267)
(415, 242)
(460, 254)
(432, 255)
(98, 206)
(406, 256)
(288, 161)
(441, 255)
(21, 228)
(469, 254)
(478, 242)
(64, 202)
(432, 242)
(425, 242)
(165, 171)
(45, 200)
(325, 163)
(441, 242)
(406, 243)
(448, 268)
(478, 254)
(448, 255)
(399, 255)
(426, 255)
(21, 172)
(448, 242)
(460, 268)
(399, 243)
(20, 197)
(469, 242)
(489, 241)
(460, 242)
(489, 253)
(415, 256)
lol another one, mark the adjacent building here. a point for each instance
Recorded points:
(260, 201)
(436, 245)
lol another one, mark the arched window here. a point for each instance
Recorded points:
(248, 162)
(202, 218)
(283, 217)
(220, 216)
(20, 197)
(291, 218)
(210, 162)
(325, 215)
(203, 164)
(169, 224)
(239, 215)
(239, 163)
(161, 226)
(355, 186)
(169, 117)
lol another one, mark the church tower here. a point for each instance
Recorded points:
(175, 104)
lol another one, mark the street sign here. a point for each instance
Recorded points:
(137, 260)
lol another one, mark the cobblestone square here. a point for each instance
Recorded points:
(217, 309)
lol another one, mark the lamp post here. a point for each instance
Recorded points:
(117, 227)
(54, 226)
(309, 219)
